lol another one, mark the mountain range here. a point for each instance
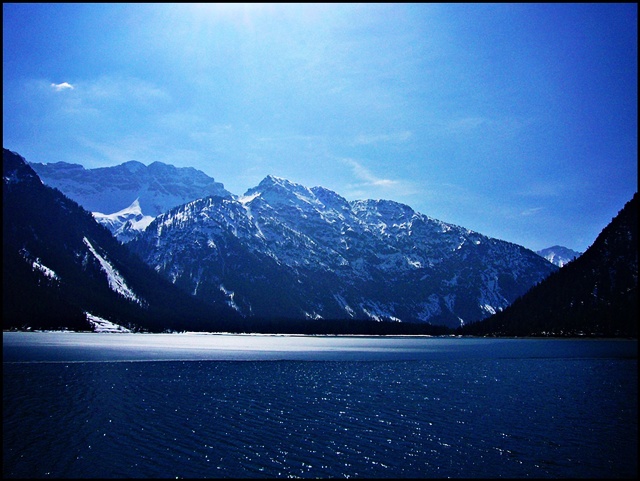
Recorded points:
(280, 258)
(321, 256)
(116, 195)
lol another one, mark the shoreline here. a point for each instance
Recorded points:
(264, 334)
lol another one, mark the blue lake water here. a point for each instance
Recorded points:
(196, 406)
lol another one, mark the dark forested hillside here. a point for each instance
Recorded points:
(596, 294)
(59, 264)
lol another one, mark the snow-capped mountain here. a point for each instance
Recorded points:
(559, 255)
(285, 250)
(596, 294)
(125, 224)
(62, 269)
(116, 194)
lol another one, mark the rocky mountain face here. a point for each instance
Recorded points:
(62, 269)
(596, 294)
(109, 191)
(559, 255)
(285, 250)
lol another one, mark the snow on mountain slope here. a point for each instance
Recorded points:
(286, 250)
(39, 266)
(558, 255)
(102, 325)
(126, 223)
(116, 281)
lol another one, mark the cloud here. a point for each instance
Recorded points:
(531, 211)
(369, 186)
(62, 86)
(366, 176)
(396, 137)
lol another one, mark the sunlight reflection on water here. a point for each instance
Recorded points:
(71, 346)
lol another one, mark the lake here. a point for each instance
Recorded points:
(245, 406)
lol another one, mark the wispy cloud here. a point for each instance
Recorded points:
(366, 176)
(368, 185)
(62, 86)
(531, 211)
(396, 137)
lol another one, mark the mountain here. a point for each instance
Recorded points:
(110, 191)
(285, 250)
(62, 269)
(126, 223)
(558, 255)
(596, 294)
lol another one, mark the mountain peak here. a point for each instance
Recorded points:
(133, 209)
(278, 190)
(134, 166)
(126, 223)
(135, 205)
(271, 180)
(558, 255)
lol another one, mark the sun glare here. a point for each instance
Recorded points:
(234, 12)
(247, 13)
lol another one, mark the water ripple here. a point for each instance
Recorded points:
(481, 418)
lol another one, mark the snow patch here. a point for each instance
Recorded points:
(230, 295)
(116, 281)
(38, 265)
(245, 199)
(102, 325)
(414, 263)
(45, 270)
(378, 313)
(344, 305)
(488, 308)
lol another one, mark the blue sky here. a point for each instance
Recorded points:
(518, 121)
